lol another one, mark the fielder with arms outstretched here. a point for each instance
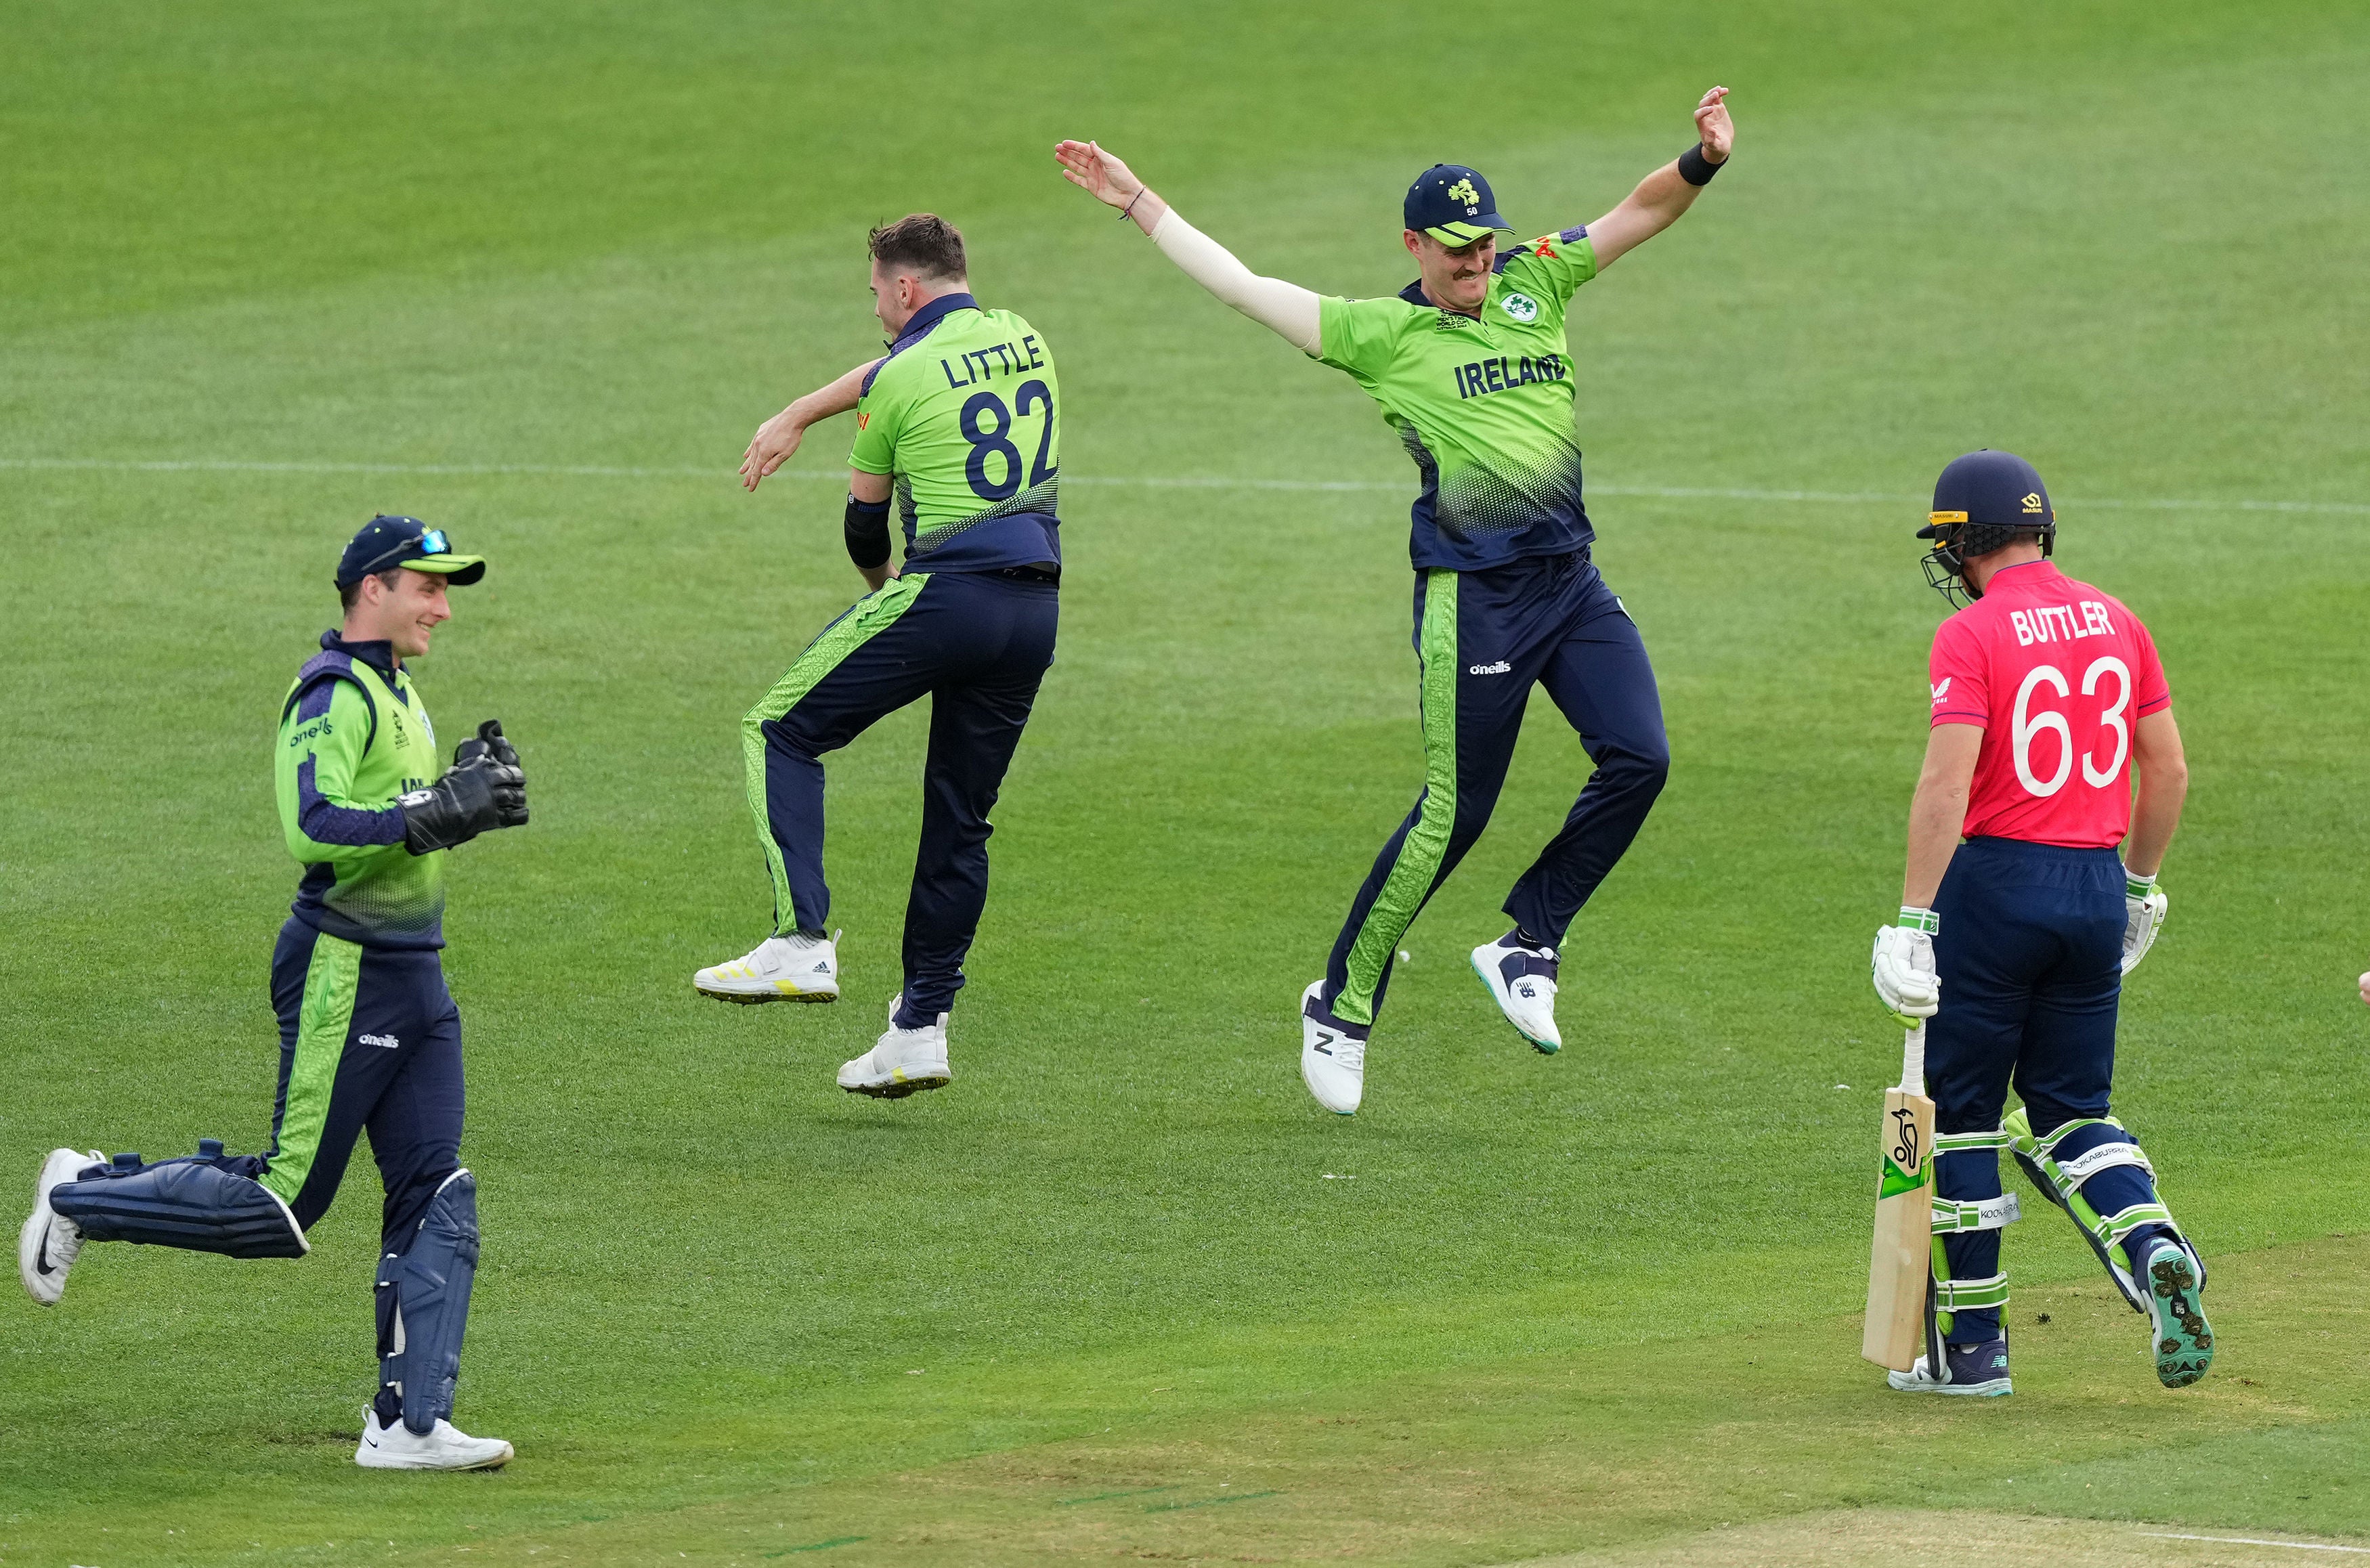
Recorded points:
(2014, 945)
(369, 1035)
(1468, 364)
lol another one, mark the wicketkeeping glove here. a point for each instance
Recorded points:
(1903, 966)
(2144, 908)
(488, 741)
(484, 790)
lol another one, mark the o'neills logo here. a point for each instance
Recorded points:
(1500, 667)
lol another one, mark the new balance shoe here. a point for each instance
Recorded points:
(902, 1062)
(1522, 983)
(781, 968)
(445, 1447)
(1333, 1060)
(1977, 1370)
(49, 1243)
(2184, 1340)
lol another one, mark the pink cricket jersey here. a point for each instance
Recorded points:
(2055, 673)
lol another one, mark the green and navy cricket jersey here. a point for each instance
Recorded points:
(1484, 407)
(353, 737)
(964, 412)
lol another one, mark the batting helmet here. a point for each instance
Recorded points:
(1983, 502)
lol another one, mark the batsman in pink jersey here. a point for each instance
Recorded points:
(2052, 782)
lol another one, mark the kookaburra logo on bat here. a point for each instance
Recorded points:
(1905, 1138)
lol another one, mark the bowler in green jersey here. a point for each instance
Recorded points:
(960, 426)
(1470, 368)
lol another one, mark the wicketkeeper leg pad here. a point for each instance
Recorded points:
(2094, 1170)
(192, 1203)
(423, 1306)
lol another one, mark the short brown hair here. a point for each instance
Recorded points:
(349, 593)
(924, 244)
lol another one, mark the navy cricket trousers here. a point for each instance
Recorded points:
(369, 1037)
(2029, 957)
(1482, 639)
(977, 645)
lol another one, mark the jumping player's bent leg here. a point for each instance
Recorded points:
(1471, 711)
(975, 725)
(1597, 673)
(836, 688)
(995, 640)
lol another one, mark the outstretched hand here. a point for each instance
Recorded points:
(775, 442)
(1100, 174)
(1712, 124)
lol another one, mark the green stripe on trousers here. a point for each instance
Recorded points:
(1426, 844)
(323, 1021)
(871, 615)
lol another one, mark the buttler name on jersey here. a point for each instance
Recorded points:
(2061, 622)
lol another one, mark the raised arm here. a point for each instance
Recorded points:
(1286, 309)
(1670, 190)
(778, 437)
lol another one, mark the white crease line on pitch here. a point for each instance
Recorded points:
(1652, 492)
(2250, 1540)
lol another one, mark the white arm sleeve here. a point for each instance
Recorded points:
(1285, 309)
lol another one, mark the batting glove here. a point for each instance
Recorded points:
(1903, 966)
(2144, 907)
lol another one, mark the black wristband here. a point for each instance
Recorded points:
(866, 526)
(1695, 168)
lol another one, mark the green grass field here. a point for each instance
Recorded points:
(533, 272)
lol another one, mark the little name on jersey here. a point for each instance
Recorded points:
(1006, 359)
(2061, 622)
(1483, 377)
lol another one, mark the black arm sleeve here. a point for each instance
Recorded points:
(868, 533)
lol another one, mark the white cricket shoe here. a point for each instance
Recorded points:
(48, 1243)
(1332, 1061)
(1522, 981)
(903, 1062)
(781, 968)
(446, 1447)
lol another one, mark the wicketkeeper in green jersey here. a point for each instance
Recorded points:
(368, 1036)
(961, 423)
(1469, 365)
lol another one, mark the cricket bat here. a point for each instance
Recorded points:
(1902, 1259)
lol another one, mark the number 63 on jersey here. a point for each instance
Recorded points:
(2055, 673)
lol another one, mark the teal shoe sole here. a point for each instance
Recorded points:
(2184, 1340)
(1542, 1046)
